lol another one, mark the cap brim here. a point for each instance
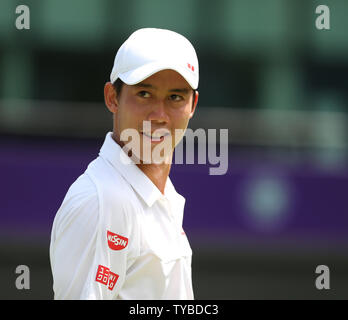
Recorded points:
(137, 75)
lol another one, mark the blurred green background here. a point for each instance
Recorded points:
(254, 55)
(266, 73)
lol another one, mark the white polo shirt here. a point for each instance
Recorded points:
(116, 236)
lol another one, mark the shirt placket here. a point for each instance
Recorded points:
(169, 209)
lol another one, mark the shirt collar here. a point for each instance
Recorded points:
(113, 153)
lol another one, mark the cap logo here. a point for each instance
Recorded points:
(191, 66)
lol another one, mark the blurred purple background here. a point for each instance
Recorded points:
(264, 195)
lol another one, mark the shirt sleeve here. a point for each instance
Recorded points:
(116, 246)
(91, 245)
(73, 239)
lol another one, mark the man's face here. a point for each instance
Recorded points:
(164, 100)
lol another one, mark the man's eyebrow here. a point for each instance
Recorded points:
(181, 90)
(148, 85)
(145, 85)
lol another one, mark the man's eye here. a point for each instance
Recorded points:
(176, 97)
(144, 94)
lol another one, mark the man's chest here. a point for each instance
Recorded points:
(161, 233)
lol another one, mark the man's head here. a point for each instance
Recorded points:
(150, 50)
(154, 79)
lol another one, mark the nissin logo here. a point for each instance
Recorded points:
(115, 241)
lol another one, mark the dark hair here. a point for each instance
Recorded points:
(118, 84)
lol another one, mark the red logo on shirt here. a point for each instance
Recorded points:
(106, 277)
(116, 242)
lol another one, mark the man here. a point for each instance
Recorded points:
(118, 233)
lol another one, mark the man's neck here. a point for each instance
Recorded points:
(157, 173)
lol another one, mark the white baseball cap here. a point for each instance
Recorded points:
(150, 50)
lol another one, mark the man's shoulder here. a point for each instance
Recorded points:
(80, 204)
(86, 189)
(87, 201)
(82, 191)
(100, 190)
(108, 182)
(101, 172)
(83, 187)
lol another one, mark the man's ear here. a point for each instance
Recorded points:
(110, 97)
(194, 104)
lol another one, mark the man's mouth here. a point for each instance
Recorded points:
(156, 137)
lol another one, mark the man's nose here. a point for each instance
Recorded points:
(158, 112)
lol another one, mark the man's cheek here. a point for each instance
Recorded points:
(178, 136)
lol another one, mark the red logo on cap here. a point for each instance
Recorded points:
(106, 277)
(115, 241)
(191, 67)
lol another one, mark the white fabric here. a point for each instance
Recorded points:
(115, 226)
(150, 50)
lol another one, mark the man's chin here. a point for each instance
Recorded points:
(149, 158)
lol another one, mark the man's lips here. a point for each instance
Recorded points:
(155, 138)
